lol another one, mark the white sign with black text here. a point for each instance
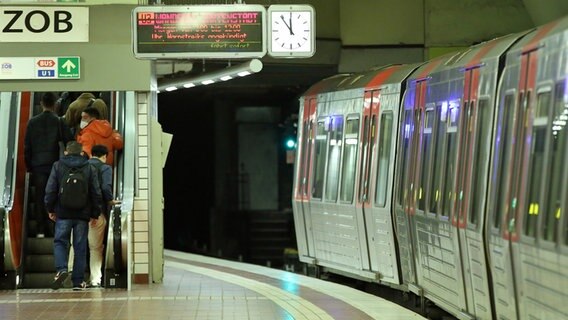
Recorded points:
(44, 24)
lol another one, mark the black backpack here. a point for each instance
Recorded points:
(74, 189)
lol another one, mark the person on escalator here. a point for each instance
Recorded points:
(96, 131)
(85, 100)
(97, 230)
(44, 132)
(73, 199)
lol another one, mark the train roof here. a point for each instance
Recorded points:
(540, 35)
(369, 79)
(327, 84)
(470, 57)
(378, 76)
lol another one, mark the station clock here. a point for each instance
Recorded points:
(291, 31)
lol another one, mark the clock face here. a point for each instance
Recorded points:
(291, 32)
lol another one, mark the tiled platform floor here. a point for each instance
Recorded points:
(198, 287)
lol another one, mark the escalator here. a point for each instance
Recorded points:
(27, 261)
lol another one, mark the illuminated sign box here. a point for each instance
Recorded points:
(207, 31)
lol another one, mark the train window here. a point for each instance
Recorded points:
(319, 160)
(482, 134)
(334, 157)
(518, 160)
(305, 157)
(557, 165)
(426, 144)
(349, 160)
(438, 140)
(405, 135)
(503, 145)
(536, 164)
(464, 156)
(368, 127)
(385, 147)
(450, 156)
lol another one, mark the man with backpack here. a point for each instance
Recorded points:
(73, 200)
(97, 230)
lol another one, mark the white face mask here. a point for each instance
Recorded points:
(83, 124)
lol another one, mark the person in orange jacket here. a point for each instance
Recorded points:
(95, 131)
(75, 110)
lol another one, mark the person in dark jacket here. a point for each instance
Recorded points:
(69, 221)
(41, 150)
(97, 230)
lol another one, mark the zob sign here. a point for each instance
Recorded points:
(44, 24)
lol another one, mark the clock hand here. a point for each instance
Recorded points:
(291, 30)
(287, 25)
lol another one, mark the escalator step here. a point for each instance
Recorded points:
(38, 280)
(40, 263)
(40, 245)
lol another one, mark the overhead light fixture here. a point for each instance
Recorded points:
(241, 70)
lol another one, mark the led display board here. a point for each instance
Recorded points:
(206, 31)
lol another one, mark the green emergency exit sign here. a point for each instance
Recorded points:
(68, 67)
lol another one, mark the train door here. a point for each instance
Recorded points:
(465, 161)
(302, 217)
(473, 156)
(382, 247)
(363, 204)
(511, 201)
(534, 239)
(499, 211)
(524, 144)
(403, 185)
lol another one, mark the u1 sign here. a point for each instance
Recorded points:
(44, 24)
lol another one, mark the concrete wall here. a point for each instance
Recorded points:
(107, 61)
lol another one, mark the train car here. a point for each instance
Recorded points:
(444, 153)
(302, 167)
(527, 230)
(455, 195)
(343, 219)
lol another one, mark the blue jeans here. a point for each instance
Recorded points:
(63, 229)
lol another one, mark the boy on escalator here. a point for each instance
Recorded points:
(97, 230)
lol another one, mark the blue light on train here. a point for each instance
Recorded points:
(444, 113)
(407, 131)
(454, 113)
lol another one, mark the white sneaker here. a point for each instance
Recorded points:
(40, 235)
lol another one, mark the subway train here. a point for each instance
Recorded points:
(446, 179)
(27, 261)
